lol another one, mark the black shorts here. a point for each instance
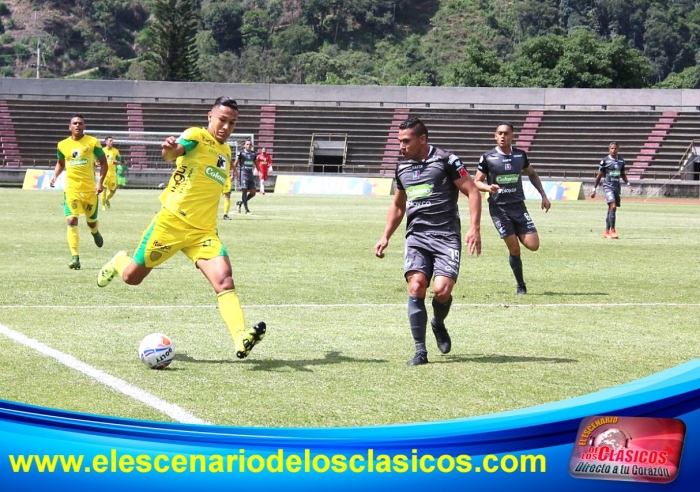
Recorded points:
(433, 254)
(612, 196)
(511, 219)
(247, 180)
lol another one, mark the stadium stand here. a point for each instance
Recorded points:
(561, 143)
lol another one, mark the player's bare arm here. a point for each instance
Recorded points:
(397, 210)
(535, 180)
(624, 177)
(596, 183)
(171, 150)
(473, 238)
(482, 185)
(99, 187)
(57, 170)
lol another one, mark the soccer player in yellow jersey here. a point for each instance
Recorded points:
(110, 184)
(77, 155)
(187, 220)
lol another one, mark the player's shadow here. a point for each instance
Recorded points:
(500, 359)
(304, 365)
(547, 293)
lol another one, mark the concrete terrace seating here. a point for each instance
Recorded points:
(560, 143)
(570, 144)
(367, 131)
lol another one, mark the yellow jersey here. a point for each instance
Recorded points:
(79, 157)
(113, 157)
(195, 187)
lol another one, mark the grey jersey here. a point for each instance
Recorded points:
(246, 161)
(431, 193)
(612, 169)
(506, 171)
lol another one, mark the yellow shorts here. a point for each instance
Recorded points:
(75, 203)
(110, 183)
(167, 234)
(227, 185)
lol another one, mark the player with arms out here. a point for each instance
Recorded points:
(77, 155)
(611, 169)
(500, 173)
(428, 182)
(113, 159)
(187, 220)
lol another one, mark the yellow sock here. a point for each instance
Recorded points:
(94, 230)
(110, 194)
(231, 312)
(104, 197)
(227, 204)
(120, 263)
(73, 240)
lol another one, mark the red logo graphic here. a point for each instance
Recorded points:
(631, 449)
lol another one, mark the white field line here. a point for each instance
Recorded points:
(102, 377)
(366, 305)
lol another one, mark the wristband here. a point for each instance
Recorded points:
(629, 184)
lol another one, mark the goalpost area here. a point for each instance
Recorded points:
(143, 154)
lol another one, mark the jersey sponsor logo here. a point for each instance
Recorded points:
(462, 172)
(178, 177)
(507, 178)
(160, 246)
(615, 173)
(507, 190)
(419, 191)
(420, 203)
(215, 174)
(77, 162)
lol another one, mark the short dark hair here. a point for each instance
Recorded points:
(108, 137)
(416, 125)
(77, 115)
(507, 123)
(613, 143)
(226, 101)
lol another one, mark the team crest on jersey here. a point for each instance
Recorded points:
(416, 173)
(508, 166)
(221, 162)
(156, 255)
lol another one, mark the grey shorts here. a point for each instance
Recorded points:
(433, 255)
(612, 196)
(247, 180)
(512, 218)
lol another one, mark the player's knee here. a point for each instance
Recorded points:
(442, 294)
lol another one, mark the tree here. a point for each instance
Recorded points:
(478, 70)
(173, 52)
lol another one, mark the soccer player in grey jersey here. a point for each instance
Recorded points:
(428, 182)
(611, 169)
(246, 163)
(500, 174)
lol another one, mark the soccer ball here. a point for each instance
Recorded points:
(156, 351)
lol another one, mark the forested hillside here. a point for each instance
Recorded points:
(504, 43)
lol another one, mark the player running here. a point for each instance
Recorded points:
(77, 155)
(110, 185)
(428, 182)
(500, 174)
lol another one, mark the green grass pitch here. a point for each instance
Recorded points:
(598, 313)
